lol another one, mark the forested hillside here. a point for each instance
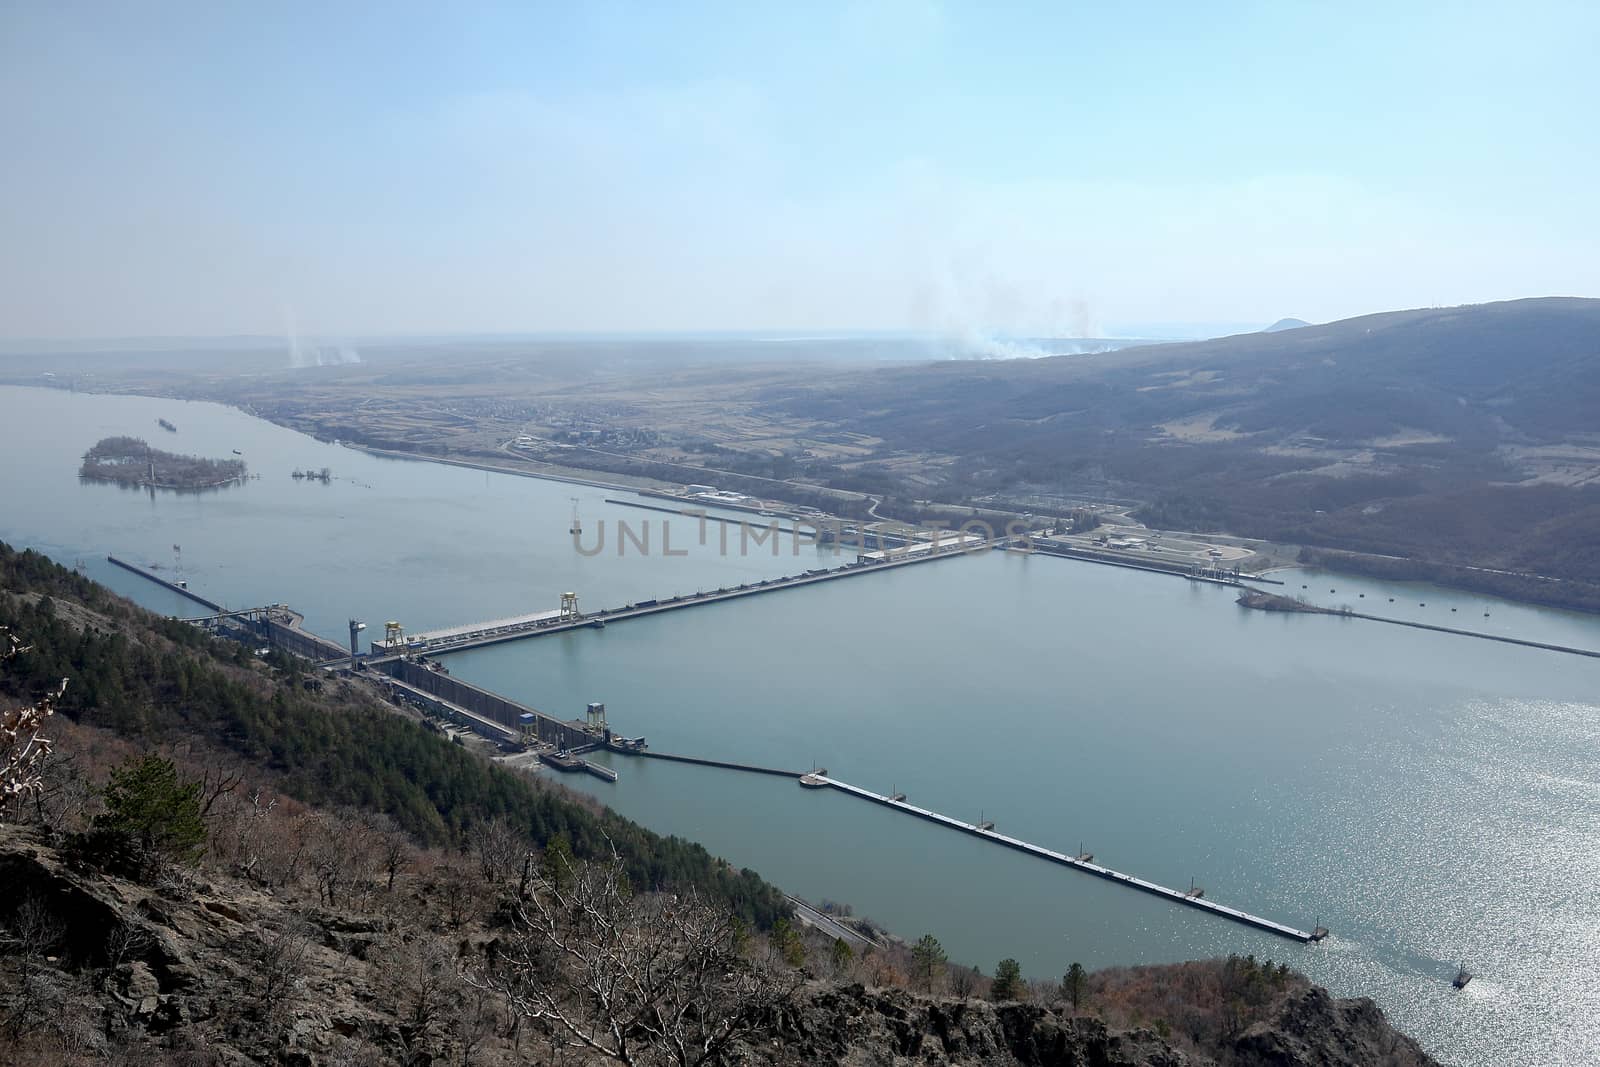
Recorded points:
(161, 682)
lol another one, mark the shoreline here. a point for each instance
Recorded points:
(161, 485)
(646, 483)
(1277, 604)
(386, 453)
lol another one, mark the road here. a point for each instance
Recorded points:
(833, 928)
(1162, 546)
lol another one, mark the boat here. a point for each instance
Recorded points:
(1463, 976)
(813, 780)
(237, 452)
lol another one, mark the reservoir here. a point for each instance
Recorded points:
(1431, 799)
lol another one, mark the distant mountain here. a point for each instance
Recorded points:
(1286, 324)
(1463, 435)
(1517, 371)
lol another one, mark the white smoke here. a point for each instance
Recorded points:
(975, 308)
(306, 354)
(970, 344)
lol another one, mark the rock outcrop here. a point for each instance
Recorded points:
(853, 1026)
(180, 967)
(224, 971)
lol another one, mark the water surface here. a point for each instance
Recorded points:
(1429, 798)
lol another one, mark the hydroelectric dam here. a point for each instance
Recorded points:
(402, 667)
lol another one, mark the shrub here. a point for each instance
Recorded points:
(152, 817)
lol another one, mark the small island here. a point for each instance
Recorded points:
(131, 461)
(1263, 601)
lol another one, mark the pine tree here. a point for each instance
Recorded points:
(148, 804)
(1074, 984)
(929, 957)
(1007, 984)
(842, 955)
(786, 943)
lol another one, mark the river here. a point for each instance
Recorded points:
(1429, 798)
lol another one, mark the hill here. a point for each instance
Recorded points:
(1285, 324)
(1456, 438)
(154, 682)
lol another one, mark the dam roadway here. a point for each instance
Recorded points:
(506, 720)
(1192, 899)
(459, 639)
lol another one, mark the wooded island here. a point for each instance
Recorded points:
(131, 461)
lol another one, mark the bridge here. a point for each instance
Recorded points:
(538, 624)
(1193, 898)
(819, 779)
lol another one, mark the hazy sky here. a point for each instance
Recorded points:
(215, 167)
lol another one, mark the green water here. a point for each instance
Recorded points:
(1429, 798)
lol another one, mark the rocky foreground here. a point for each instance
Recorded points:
(218, 970)
(858, 1027)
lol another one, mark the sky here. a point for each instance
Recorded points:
(1058, 169)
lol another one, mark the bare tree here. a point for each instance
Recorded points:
(651, 979)
(473, 1019)
(393, 850)
(499, 848)
(418, 980)
(126, 942)
(21, 747)
(460, 895)
(328, 861)
(277, 973)
(356, 1052)
(964, 981)
(282, 845)
(64, 794)
(27, 986)
(217, 782)
(343, 856)
(250, 823)
(362, 846)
